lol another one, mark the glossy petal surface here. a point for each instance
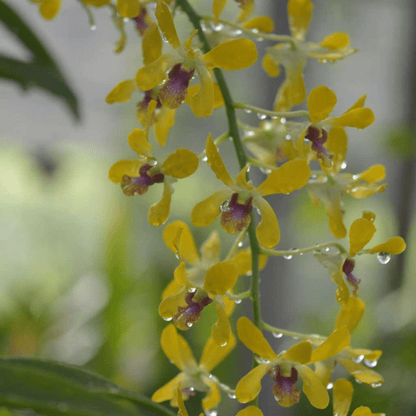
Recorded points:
(128, 8)
(138, 142)
(128, 167)
(202, 102)
(231, 55)
(221, 330)
(216, 163)
(394, 245)
(361, 372)
(213, 397)
(299, 353)
(166, 24)
(151, 44)
(336, 40)
(168, 391)
(374, 173)
(50, 8)
(250, 411)
(359, 118)
(270, 66)
(181, 163)
(220, 278)
(261, 23)
(300, 16)
(254, 340)
(122, 92)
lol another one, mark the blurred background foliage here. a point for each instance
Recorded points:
(82, 271)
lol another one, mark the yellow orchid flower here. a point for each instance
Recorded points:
(184, 61)
(360, 234)
(48, 8)
(293, 55)
(193, 376)
(350, 358)
(246, 6)
(287, 366)
(136, 175)
(342, 394)
(208, 280)
(235, 203)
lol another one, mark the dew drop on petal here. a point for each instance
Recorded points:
(254, 31)
(358, 381)
(277, 334)
(189, 324)
(205, 158)
(211, 412)
(359, 359)
(224, 206)
(375, 385)
(249, 133)
(370, 363)
(288, 137)
(93, 27)
(343, 165)
(237, 32)
(261, 116)
(237, 301)
(167, 319)
(329, 386)
(232, 396)
(287, 256)
(126, 19)
(355, 177)
(283, 120)
(326, 249)
(247, 110)
(240, 244)
(383, 258)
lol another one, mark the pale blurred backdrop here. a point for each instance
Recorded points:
(82, 271)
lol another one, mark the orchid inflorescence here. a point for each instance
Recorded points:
(284, 146)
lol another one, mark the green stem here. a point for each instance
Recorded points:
(241, 156)
(275, 114)
(314, 339)
(300, 251)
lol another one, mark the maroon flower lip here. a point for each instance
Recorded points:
(140, 184)
(236, 217)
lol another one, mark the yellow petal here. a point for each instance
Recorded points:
(336, 40)
(151, 44)
(122, 92)
(217, 8)
(261, 23)
(334, 344)
(292, 91)
(138, 142)
(361, 232)
(213, 397)
(213, 353)
(250, 411)
(361, 372)
(314, 390)
(364, 411)
(202, 102)
(336, 225)
(270, 66)
(159, 212)
(165, 121)
(321, 101)
(186, 248)
(249, 386)
(268, 231)
(128, 167)
(168, 391)
(216, 163)
(220, 277)
(254, 340)
(176, 348)
(205, 212)
(343, 391)
(374, 173)
(50, 8)
(182, 409)
(242, 261)
(97, 3)
(394, 245)
(247, 7)
(221, 330)
(350, 314)
(152, 75)
(181, 164)
(324, 371)
(370, 355)
(359, 118)
(300, 15)
(291, 176)
(337, 146)
(299, 353)
(169, 305)
(359, 103)
(128, 8)
(210, 250)
(165, 20)
(234, 54)
(193, 89)
(180, 274)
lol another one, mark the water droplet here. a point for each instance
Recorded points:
(167, 319)
(355, 177)
(218, 27)
(213, 378)
(126, 19)
(232, 396)
(254, 31)
(223, 344)
(192, 290)
(383, 258)
(189, 324)
(203, 26)
(261, 116)
(343, 165)
(211, 412)
(323, 61)
(240, 244)
(358, 381)
(237, 32)
(375, 385)
(276, 398)
(249, 132)
(295, 337)
(287, 256)
(63, 407)
(164, 39)
(283, 120)
(248, 169)
(260, 39)
(329, 386)
(265, 171)
(93, 27)
(205, 158)
(191, 389)
(370, 363)
(224, 206)
(277, 334)
(177, 255)
(288, 137)
(261, 360)
(247, 110)
(358, 359)
(237, 301)
(326, 249)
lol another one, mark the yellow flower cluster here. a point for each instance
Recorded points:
(296, 155)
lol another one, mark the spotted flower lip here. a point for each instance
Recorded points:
(297, 357)
(193, 376)
(293, 56)
(136, 175)
(289, 177)
(231, 55)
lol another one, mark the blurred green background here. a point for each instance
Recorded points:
(82, 271)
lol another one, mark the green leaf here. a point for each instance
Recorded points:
(52, 388)
(41, 71)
